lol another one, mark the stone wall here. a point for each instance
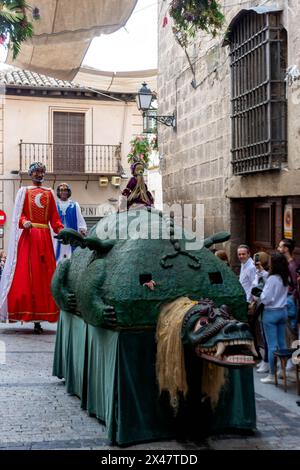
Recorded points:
(197, 163)
(196, 166)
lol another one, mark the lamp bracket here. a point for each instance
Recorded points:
(169, 120)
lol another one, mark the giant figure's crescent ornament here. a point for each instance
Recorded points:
(37, 200)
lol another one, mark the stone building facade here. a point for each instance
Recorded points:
(82, 133)
(250, 201)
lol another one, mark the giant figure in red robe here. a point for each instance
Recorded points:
(25, 284)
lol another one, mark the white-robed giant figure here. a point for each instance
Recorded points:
(70, 214)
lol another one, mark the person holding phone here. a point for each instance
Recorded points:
(261, 261)
(274, 299)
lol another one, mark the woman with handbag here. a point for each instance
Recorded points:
(274, 299)
(255, 311)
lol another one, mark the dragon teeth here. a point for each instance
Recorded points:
(220, 349)
(239, 359)
(253, 350)
(234, 342)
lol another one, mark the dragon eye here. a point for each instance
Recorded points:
(203, 321)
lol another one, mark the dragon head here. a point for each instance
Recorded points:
(217, 337)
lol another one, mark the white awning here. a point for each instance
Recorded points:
(65, 31)
(119, 82)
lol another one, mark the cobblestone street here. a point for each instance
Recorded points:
(37, 413)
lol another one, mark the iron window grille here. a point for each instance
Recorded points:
(258, 53)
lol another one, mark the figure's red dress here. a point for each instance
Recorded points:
(29, 298)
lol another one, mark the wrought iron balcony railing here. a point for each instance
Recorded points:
(72, 158)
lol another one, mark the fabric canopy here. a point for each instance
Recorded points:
(120, 82)
(65, 31)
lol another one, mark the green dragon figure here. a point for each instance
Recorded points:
(120, 281)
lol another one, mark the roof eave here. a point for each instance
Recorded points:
(105, 94)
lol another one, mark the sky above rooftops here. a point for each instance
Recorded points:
(133, 47)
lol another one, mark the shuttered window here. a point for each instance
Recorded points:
(258, 55)
(68, 142)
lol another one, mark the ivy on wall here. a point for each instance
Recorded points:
(191, 16)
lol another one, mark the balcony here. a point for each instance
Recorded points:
(80, 159)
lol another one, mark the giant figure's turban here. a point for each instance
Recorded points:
(36, 166)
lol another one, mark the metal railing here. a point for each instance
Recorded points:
(72, 158)
(258, 97)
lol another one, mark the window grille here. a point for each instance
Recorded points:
(258, 51)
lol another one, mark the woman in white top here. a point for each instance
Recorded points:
(274, 298)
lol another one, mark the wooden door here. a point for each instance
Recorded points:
(68, 142)
(265, 224)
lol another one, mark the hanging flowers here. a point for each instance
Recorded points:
(190, 16)
(15, 26)
(141, 148)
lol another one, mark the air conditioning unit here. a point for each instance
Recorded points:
(116, 181)
(103, 181)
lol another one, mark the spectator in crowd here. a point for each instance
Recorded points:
(248, 270)
(255, 312)
(274, 299)
(2, 261)
(286, 247)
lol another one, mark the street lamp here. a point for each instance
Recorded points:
(143, 100)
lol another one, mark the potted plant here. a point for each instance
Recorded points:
(141, 148)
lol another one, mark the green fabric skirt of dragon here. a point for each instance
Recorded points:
(113, 374)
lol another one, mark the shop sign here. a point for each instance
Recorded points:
(97, 210)
(288, 221)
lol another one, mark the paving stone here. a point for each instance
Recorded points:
(37, 413)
